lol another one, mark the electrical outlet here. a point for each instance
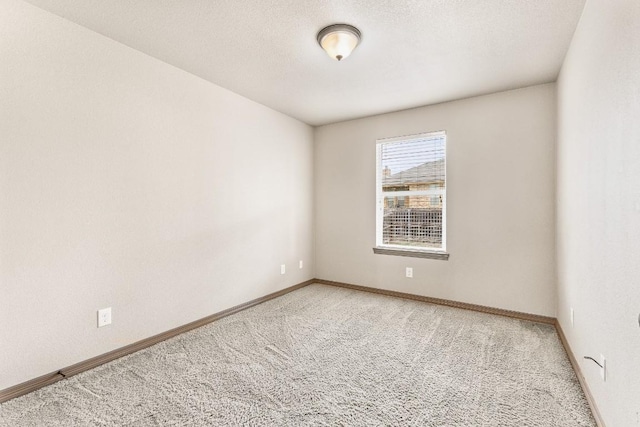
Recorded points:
(300, 264)
(104, 317)
(283, 269)
(409, 272)
(603, 369)
(571, 316)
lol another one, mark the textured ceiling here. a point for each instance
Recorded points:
(413, 52)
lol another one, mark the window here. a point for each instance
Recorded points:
(411, 196)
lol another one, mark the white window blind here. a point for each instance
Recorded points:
(411, 192)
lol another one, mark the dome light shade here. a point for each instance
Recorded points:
(339, 40)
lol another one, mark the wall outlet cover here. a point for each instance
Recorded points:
(409, 272)
(104, 317)
(572, 316)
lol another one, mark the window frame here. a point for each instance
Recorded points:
(405, 250)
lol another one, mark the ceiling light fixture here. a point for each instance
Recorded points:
(339, 40)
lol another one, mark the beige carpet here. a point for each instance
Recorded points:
(327, 356)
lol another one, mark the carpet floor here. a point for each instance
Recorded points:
(327, 356)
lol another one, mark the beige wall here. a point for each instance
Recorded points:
(128, 183)
(500, 194)
(599, 203)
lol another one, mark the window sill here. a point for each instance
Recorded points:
(411, 253)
